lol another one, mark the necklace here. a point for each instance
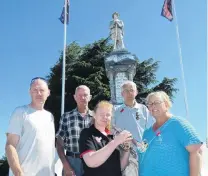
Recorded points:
(145, 144)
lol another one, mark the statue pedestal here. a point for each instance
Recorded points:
(120, 66)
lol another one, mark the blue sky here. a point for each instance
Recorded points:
(32, 38)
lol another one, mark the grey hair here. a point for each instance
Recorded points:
(82, 87)
(162, 95)
(128, 83)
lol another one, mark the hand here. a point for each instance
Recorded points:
(129, 142)
(68, 171)
(123, 137)
(18, 173)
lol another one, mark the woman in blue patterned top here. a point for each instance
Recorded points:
(171, 147)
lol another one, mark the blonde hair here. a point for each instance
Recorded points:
(105, 104)
(162, 95)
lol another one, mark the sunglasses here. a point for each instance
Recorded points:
(41, 78)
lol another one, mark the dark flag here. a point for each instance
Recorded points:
(63, 14)
(167, 10)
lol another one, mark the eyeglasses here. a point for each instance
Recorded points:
(41, 78)
(85, 96)
(129, 90)
(156, 103)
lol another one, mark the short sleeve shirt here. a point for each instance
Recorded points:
(71, 125)
(36, 146)
(135, 119)
(166, 153)
(92, 140)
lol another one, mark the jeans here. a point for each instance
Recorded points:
(76, 165)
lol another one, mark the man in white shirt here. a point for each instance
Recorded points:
(30, 146)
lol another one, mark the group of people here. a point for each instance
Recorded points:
(102, 142)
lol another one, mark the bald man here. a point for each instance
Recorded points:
(30, 142)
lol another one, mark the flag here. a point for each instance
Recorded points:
(63, 14)
(167, 10)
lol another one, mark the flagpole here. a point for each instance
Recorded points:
(181, 60)
(64, 60)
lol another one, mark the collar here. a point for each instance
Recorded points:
(89, 112)
(136, 106)
(97, 132)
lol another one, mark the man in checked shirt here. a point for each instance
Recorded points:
(71, 124)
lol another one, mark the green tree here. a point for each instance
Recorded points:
(85, 65)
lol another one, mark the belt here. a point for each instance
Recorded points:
(74, 155)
